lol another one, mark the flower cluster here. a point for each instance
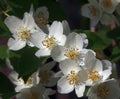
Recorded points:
(79, 68)
(101, 11)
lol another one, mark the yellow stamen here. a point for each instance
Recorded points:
(49, 42)
(23, 33)
(93, 75)
(71, 53)
(72, 78)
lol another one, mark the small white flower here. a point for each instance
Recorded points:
(22, 31)
(41, 16)
(35, 92)
(72, 78)
(20, 83)
(93, 11)
(47, 75)
(97, 70)
(105, 90)
(48, 41)
(72, 49)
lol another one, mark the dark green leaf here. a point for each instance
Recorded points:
(27, 63)
(5, 85)
(3, 52)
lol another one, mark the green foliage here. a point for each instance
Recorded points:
(3, 52)
(20, 6)
(27, 63)
(5, 85)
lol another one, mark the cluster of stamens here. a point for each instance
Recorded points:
(71, 53)
(93, 75)
(49, 42)
(72, 77)
(23, 33)
(40, 19)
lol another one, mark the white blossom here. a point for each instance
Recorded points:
(108, 89)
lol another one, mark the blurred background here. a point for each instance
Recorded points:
(101, 40)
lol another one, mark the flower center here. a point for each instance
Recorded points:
(40, 19)
(93, 10)
(49, 42)
(102, 91)
(29, 81)
(72, 78)
(93, 75)
(44, 76)
(107, 3)
(71, 53)
(23, 33)
(33, 95)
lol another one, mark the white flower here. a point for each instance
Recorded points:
(48, 41)
(41, 16)
(22, 31)
(97, 70)
(93, 11)
(105, 90)
(20, 83)
(47, 75)
(72, 49)
(109, 6)
(36, 92)
(72, 78)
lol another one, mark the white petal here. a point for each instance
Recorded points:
(62, 40)
(37, 39)
(56, 30)
(67, 65)
(98, 66)
(64, 86)
(15, 44)
(57, 53)
(13, 23)
(81, 77)
(74, 40)
(42, 52)
(106, 19)
(79, 90)
(29, 21)
(106, 74)
(66, 27)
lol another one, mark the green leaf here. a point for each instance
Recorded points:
(27, 63)
(115, 54)
(114, 34)
(3, 51)
(5, 85)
